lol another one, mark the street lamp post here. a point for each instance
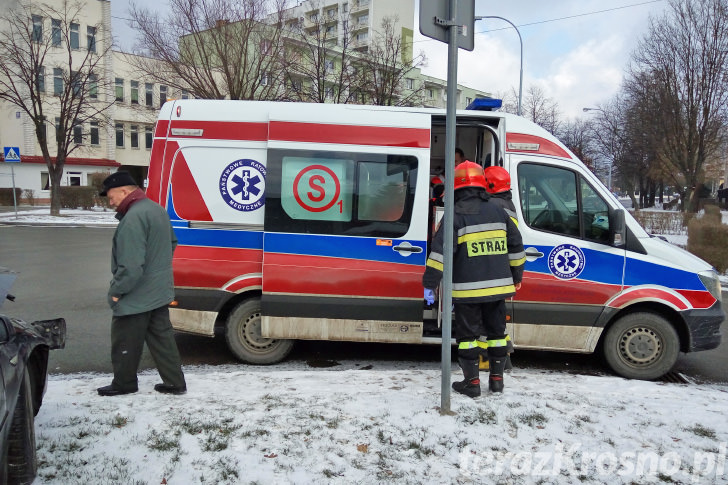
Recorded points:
(520, 39)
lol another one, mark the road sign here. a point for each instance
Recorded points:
(434, 16)
(12, 154)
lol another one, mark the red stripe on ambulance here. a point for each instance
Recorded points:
(581, 292)
(286, 273)
(208, 267)
(222, 130)
(349, 134)
(545, 147)
(631, 296)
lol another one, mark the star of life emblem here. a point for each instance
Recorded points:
(566, 261)
(242, 185)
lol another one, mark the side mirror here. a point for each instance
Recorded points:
(617, 228)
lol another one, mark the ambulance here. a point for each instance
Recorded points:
(312, 221)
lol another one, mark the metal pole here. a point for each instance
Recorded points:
(15, 202)
(520, 39)
(450, 123)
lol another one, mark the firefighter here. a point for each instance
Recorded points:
(498, 185)
(488, 264)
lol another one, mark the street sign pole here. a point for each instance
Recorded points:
(451, 23)
(15, 202)
(450, 123)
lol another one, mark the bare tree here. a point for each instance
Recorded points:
(318, 50)
(383, 69)
(536, 106)
(28, 52)
(577, 135)
(684, 58)
(215, 49)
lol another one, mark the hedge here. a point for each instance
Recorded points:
(6, 196)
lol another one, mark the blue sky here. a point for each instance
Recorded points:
(575, 50)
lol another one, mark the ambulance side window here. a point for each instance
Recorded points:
(557, 200)
(346, 193)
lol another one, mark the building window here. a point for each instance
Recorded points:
(430, 93)
(74, 179)
(37, 28)
(345, 7)
(362, 37)
(57, 81)
(120, 135)
(149, 94)
(135, 92)
(329, 92)
(94, 133)
(328, 65)
(134, 136)
(76, 83)
(78, 134)
(363, 19)
(55, 32)
(331, 13)
(410, 83)
(74, 36)
(91, 38)
(45, 181)
(119, 89)
(93, 86)
(264, 79)
(162, 95)
(40, 80)
(468, 101)
(185, 94)
(148, 137)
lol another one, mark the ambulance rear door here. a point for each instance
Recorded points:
(345, 226)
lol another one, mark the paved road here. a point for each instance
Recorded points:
(64, 271)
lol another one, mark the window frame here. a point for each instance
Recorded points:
(277, 219)
(74, 36)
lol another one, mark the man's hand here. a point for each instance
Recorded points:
(429, 296)
(115, 298)
(518, 286)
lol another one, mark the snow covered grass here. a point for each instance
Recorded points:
(380, 424)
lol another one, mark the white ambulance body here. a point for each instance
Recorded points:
(311, 221)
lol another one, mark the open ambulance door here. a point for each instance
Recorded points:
(345, 225)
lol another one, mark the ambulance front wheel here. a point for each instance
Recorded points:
(641, 345)
(244, 339)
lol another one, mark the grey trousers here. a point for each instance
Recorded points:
(128, 334)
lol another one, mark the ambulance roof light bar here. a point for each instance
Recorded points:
(485, 104)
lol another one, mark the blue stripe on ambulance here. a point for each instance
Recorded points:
(598, 267)
(342, 247)
(645, 273)
(219, 238)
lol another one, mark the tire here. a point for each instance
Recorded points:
(22, 462)
(642, 346)
(243, 336)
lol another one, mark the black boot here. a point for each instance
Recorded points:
(497, 366)
(470, 386)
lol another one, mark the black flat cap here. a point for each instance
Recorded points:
(118, 179)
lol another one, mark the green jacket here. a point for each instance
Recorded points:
(141, 260)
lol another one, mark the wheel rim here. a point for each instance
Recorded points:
(640, 346)
(251, 336)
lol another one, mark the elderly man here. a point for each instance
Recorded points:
(141, 288)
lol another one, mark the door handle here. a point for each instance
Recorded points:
(532, 254)
(407, 248)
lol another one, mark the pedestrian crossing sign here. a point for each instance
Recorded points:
(12, 154)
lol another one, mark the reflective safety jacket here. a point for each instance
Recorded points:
(488, 254)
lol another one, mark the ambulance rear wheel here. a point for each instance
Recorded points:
(641, 345)
(244, 339)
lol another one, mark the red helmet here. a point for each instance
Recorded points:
(469, 174)
(497, 180)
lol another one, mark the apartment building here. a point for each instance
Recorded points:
(126, 140)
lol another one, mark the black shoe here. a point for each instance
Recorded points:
(469, 388)
(114, 391)
(167, 389)
(495, 384)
